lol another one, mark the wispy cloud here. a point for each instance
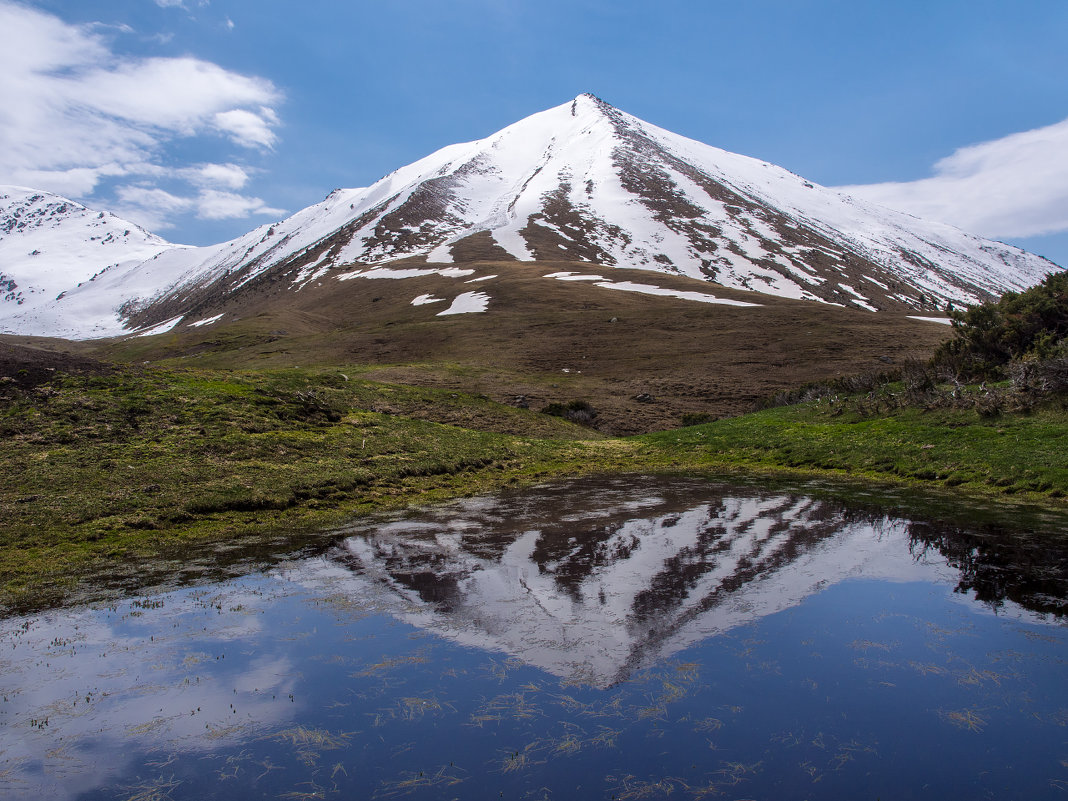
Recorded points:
(73, 112)
(154, 208)
(215, 205)
(182, 4)
(1016, 186)
(215, 197)
(252, 129)
(150, 206)
(230, 176)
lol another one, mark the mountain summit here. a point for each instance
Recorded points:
(581, 182)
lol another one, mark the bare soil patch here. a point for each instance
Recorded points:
(25, 367)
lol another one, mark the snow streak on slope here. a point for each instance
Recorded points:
(579, 182)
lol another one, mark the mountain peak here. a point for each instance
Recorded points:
(589, 97)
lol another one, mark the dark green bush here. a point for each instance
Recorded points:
(698, 418)
(1019, 325)
(576, 411)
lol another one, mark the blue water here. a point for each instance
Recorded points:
(849, 665)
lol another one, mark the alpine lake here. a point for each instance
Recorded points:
(632, 637)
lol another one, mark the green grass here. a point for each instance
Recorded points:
(101, 468)
(1004, 455)
(108, 473)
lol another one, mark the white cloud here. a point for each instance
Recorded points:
(106, 26)
(178, 4)
(73, 112)
(153, 208)
(183, 96)
(34, 42)
(150, 207)
(152, 197)
(230, 176)
(248, 128)
(1016, 186)
(215, 205)
(75, 182)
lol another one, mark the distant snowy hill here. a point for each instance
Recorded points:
(50, 246)
(582, 182)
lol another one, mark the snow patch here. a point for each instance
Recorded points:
(860, 299)
(422, 300)
(306, 276)
(942, 320)
(467, 303)
(162, 328)
(405, 272)
(646, 289)
(442, 254)
(877, 283)
(555, 229)
(455, 272)
(206, 321)
(649, 289)
(513, 244)
(480, 278)
(574, 277)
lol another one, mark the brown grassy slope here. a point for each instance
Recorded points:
(549, 340)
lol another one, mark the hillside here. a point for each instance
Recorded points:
(644, 361)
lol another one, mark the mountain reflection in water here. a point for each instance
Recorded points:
(349, 674)
(591, 581)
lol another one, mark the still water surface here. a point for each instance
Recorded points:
(626, 638)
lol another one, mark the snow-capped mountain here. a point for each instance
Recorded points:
(50, 245)
(582, 182)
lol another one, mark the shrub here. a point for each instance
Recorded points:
(698, 418)
(1019, 325)
(576, 411)
(1041, 377)
(870, 381)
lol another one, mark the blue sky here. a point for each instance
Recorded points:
(204, 118)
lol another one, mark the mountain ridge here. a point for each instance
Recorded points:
(581, 182)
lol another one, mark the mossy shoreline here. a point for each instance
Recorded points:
(113, 477)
